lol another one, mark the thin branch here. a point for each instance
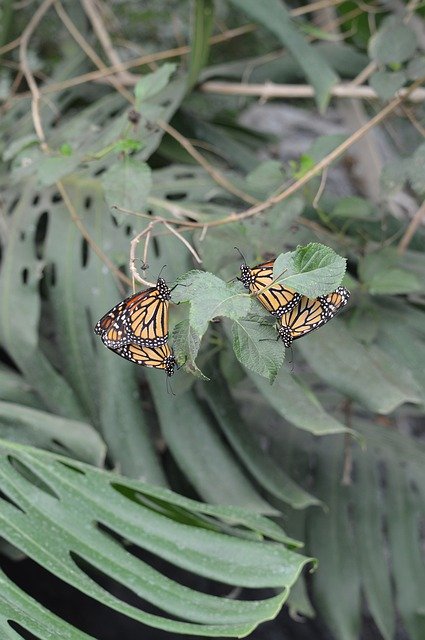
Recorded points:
(184, 241)
(320, 190)
(414, 224)
(315, 6)
(89, 51)
(271, 90)
(10, 45)
(213, 172)
(23, 58)
(133, 245)
(102, 34)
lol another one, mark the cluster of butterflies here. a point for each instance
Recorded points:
(137, 328)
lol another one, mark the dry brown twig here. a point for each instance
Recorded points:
(414, 224)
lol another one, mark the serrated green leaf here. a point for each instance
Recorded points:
(416, 68)
(127, 184)
(313, 270)
(267, 177)
(257, 348)
(51, 169)
(186, 343)
(73, 498)
(275, 17)
(209, 298)
(152, 83)
(380, 273)
(387, 83)
(323, 145)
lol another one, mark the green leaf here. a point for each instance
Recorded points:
(415, 169)
(200, 453)
(416, 68)
(367, 511)
(152, 83)
(331, 537)
(275, 17)
(42, 429)
(62, 502)
(203, 23)
(323, 145)
(261, 466)
(312, 270)
(393, 43)
(127, 184)
(209, 298)
(379, 272)
(353, 207)
(297, 404)
(387, 83)
(53, 168)
(186, 343)
(366, 375)
(266, 177)
(256, 347)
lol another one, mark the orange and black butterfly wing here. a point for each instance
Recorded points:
(160, 357)
(310, 314)
(141, 318)
(277, 298)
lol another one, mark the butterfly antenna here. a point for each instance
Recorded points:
(162, 269)
(241, 254)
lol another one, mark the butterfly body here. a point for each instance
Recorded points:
(161, 357)
(276, 298)
(310, 314)
(139, 319)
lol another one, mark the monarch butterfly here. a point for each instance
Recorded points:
(139, 319)
(277, 298)
(310, 314)
(159, 357)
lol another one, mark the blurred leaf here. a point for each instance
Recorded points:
(366, 375)
(393, 43)
(53, 168)
(19, 145)
(394, 175)
(153, 83)
(73, 498)
(203, 23)
(266, 177)
(387, 83)
(127, 184)
(353, 207)
(13, 388)
(414, 169)
(267, 473)
(416, 68)
(312, 270)
(323, 145)
(297, 404)
(403, 520)
(379, 272)
(200, 453)
(370, 544)
(45, 430)
(331, 536)
(256, 347)
(275, 17)
(209, 298)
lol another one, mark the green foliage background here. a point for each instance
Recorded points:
(331, 454)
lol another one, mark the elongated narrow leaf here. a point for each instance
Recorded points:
(275, 17)
(369, 376)
(268, 474)
(48, 431)
(370, 544)
(202, 25)
(74, 498)
(200, 452)
(331, 537)
(297, 404)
